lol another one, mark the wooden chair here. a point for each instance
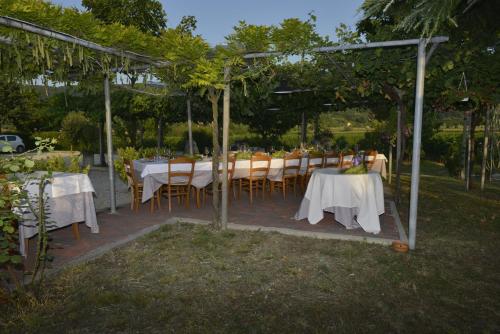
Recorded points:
(136, 186)
(290, 173)
(179, 181)
(259, 169)
(332, 159)
(369, 158)
(314, 161)
(260, 154)
(231, 163)
(347, 159)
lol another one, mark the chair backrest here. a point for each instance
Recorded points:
(332, 159)
(314, 161)
(369, 157)
(291, 164)
(347, 158)
(260, 153)
(259, 166)
(180, 171)
(231, 163)
(130, 172)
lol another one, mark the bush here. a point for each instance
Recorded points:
(127, 153)
(59, 164)
(453, 160)
(60, 145)
(79, 132)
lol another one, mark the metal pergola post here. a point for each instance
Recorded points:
(417, 135)
(225, 144)
(190, 127)
(419, 99)
(109, 141)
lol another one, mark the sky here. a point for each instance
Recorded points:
(216, 18)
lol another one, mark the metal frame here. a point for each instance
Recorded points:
(422, 59)
(35, 29)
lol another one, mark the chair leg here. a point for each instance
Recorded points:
(239, 192)
(284, 188)
(251, 191)
(272, 188)
(198, 204)
(264, 188)
(187, 197)
(152, 203)
(169, 199)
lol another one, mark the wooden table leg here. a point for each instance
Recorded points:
(76, 231)
(26, 246)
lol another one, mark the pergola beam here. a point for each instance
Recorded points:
(422, 59)
(371, 45)
(61, 36)
(49, 33)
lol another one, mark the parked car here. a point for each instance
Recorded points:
(14, 141)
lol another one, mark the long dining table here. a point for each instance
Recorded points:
(154, 173)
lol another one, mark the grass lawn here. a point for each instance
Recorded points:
(186, 278)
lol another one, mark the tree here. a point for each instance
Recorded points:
(78, 130)
(473, 29)
(147, 15)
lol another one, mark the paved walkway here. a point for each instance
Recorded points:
(271, 213)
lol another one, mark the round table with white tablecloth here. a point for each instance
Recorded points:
(356, 199)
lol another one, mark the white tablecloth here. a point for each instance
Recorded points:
(69, 199)
(379, 165)
(345, 195)
(155, 173)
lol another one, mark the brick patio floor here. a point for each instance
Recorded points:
(273, 211)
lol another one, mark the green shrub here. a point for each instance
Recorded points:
(453, 160)
(79, 132)
(60, 145)
(279, 154)
(127, 153)
(58, 164)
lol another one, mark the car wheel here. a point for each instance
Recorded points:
(20, 149)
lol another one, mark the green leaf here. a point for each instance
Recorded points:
(29, 163)
(7, 149)
(14, 168)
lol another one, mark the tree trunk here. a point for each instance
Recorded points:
(141, 134)
(214, 99)
(159, 136)
(402, 146)
(102, 158)
(485, 146)
(465, 134)
(397, 96)
(303, 131)
(316, 127)
(472, 145)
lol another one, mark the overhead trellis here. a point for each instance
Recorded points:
(37, 51)
(50, 53)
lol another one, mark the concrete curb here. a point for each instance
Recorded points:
(99, 251)
(402, 233)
